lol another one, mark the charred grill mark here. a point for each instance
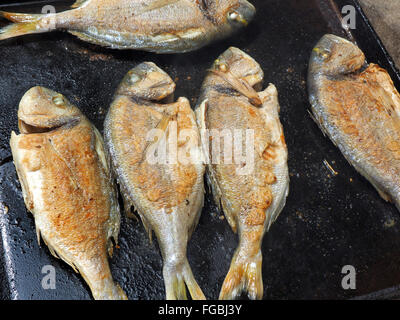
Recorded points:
(205, 6)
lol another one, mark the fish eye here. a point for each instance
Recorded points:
(133, 78)
(233, 15)
(323, 53)
(58, 100)
(223, 67)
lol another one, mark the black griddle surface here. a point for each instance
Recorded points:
(329, 221)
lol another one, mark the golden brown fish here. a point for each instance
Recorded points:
(66, 184)
(251, 190)
(166, 188)
(162, 26)
(358, 107)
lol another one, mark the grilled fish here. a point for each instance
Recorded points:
(251, 199)
(162, 26)
(66, 184)
(167, 192)
(357, 106)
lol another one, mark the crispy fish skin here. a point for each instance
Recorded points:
(168, 196)
(357, 106)
(66, 185)
(251, 202)
(162, 26)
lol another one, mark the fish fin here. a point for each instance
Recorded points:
(243, 276)
(200, 114)
(240, 85)
(19, 29)
(178, 277)
(218, 200)
(146, 226)
(57, 255)
(110, 247)
(127, 209)
(162, 125)
(229, 216)
(270, 94)
(121, 293)
(52, 251)
(148, 229)
(71, 264)
(319, 124)
(38, 235)
(78, 4)
(109, 290)
(19, 17)
(99, 148)
(384, 195)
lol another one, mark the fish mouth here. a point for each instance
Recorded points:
(246, 11)
(241, 13)
(26, 128)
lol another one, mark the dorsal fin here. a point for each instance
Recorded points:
(78, 3)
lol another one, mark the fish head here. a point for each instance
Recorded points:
(146, 81)
(42, 109)
(334, 55)
(240, 65)
(238, 13)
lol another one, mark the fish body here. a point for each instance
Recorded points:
(357, 106)
(66, 185)
(162, 26)
(167, 193)
(252, 199)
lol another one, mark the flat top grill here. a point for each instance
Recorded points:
(329, 220)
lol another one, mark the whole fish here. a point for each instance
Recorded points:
(166, 190)
(251, 190)
(357, 106)
(162, 26)
(66, 185)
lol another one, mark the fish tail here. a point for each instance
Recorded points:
(26, 24)
(244, 275)
(120, 294)
(19, 17)
(177, 278)
(114, 293)
(106, 290)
